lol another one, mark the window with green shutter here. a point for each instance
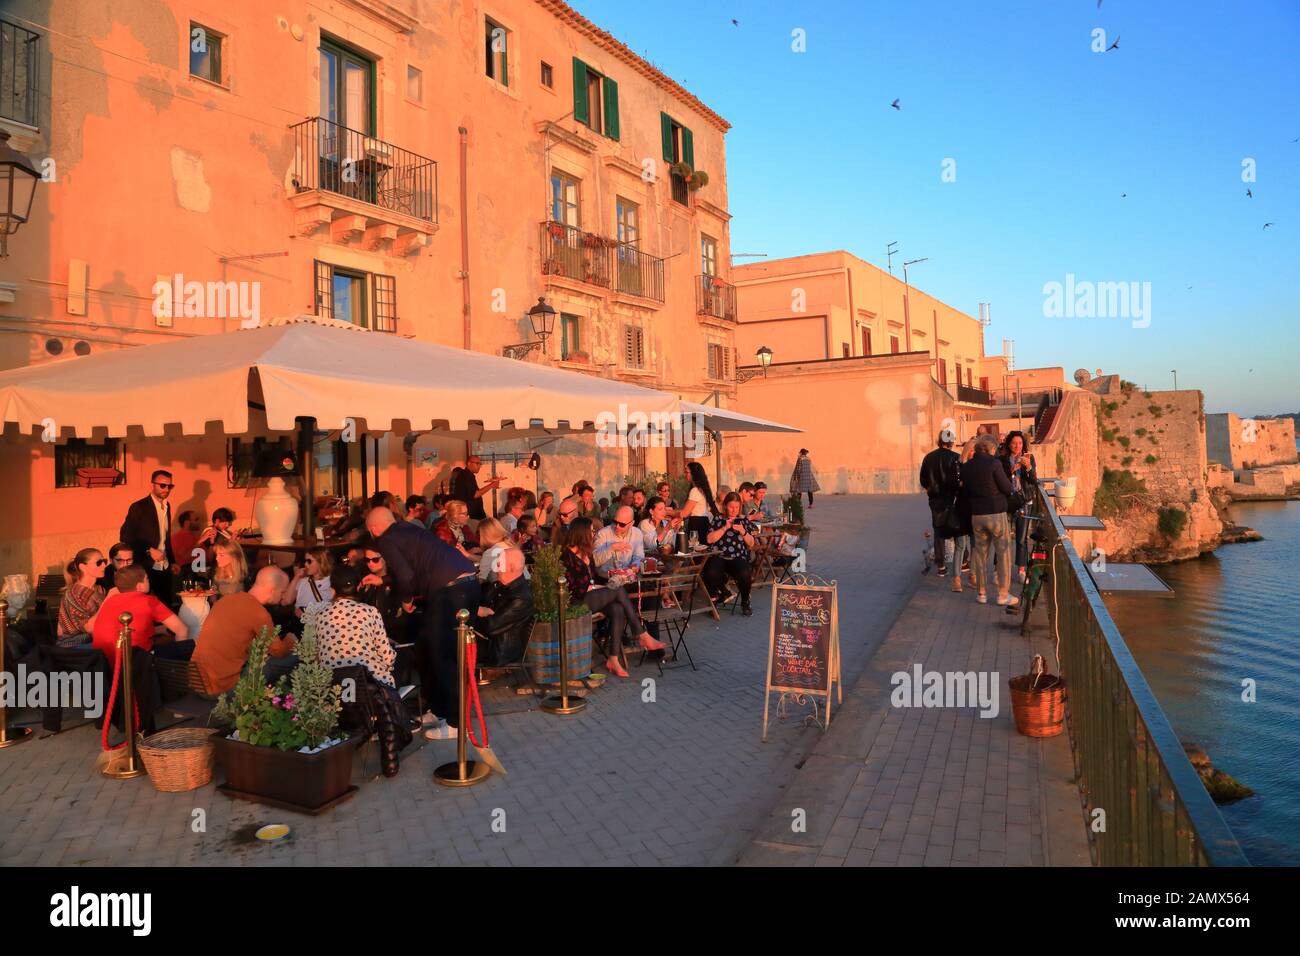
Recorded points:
(595, 100)
(679, 147)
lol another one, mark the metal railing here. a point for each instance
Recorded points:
(637, 272)
(1025, 399)
(715, 297)
(339, 160)
(976, 396)
(1128, 759)
(20, 59)
(568, 251)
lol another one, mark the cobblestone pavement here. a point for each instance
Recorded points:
(932, 786)
(682, 780)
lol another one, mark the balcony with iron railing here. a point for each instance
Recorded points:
(20, 59)
(1129, 761)
(362, 188)
(973, 396)
(715, 298)
(570, 253)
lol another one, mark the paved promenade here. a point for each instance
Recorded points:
(679, 780)
(941, 786)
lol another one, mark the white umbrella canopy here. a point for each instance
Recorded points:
(729, 420)
(317, 369)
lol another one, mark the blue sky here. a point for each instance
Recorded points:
(1047, 136)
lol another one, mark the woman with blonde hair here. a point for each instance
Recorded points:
(230, 574)
(454, 529)
(311, 582)
(494, 540)
(962, 546)
(82, 597)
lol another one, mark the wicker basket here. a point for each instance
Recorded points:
(1038, 707)
(179, 759)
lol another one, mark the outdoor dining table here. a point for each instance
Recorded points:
(297, 547)
(694, 562)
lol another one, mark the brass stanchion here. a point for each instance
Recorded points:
(132, 766)
(16, 735)
(464, 772)
(561, 705)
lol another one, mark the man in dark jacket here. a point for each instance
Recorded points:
(939, 478)
(465, 487)
(424, 567)
(506, 614)
(147, 529)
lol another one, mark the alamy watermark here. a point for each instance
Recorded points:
(961, 689)
(174, 297)
(1083, 299)
(624, 429)
(39, 690)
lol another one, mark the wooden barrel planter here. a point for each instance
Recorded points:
(1038, 704)
(543, 656)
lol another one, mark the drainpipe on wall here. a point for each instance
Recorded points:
(464, 244)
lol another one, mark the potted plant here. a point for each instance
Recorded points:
(680, 169)
(286, 749)
(543, 656)
(698, 179)
(580, 357)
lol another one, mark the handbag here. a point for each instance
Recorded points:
(1015, 501)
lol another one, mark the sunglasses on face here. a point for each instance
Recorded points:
(161, 484)
(123, 561)
(568, 514)
(101, 562)
(374, 560)
(622, 524)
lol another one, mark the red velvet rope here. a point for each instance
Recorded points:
(108, 714)
(475, 707)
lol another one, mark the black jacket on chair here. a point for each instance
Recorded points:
(140, 531)
(508, 627)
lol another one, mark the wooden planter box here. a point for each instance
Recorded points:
(543, 655)
(303, 783)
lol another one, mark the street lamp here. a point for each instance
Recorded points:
(764, 356)
(542, 319)
(907, 303)
(18, 178)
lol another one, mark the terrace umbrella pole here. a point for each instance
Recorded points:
(306, 436)
(9, 736)
(464, 772)
(562, 706)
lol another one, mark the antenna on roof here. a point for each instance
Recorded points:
(890, 252)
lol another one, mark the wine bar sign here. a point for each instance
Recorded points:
(803, 652)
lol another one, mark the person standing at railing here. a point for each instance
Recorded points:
(986, 486)
(1022, 472)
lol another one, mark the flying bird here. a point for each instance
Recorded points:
(735, 23)
(1123, 195)
(1267, 224)
(1249, 194)
(895, 105)
(1113, 46)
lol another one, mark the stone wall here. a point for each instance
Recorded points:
(1241, 443)
(1159, 439)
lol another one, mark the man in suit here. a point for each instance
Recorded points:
(147, 529)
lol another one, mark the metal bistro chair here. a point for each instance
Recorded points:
(672, 615)
(783, 564)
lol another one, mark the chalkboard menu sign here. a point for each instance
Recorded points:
(803, 644)
(801, 639)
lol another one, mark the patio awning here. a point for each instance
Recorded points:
(728, 420)
(318, 369)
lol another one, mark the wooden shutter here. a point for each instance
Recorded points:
(688, 148)
(581, 108)
(324, 290)
(666, 133)
(633, 347)
(735, 361)
(713, 361)
(385, 299)
(611, 108)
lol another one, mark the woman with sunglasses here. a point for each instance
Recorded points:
(311, 582)
(623, 618)
(82, 598)
(378, 591)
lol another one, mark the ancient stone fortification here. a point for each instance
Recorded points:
(1141, 462)
(1241, 443)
